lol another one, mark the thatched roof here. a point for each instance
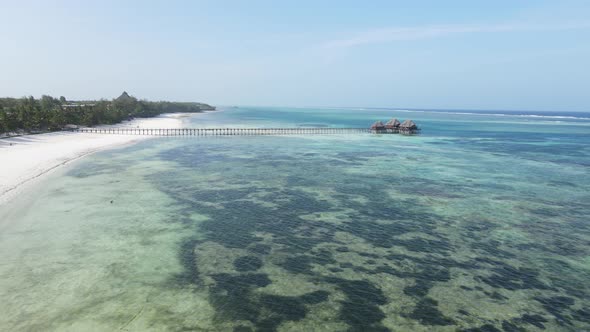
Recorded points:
(124, 97)
(393, 123)
(408, 124)
(378, 125)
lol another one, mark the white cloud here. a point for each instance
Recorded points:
(392, 34)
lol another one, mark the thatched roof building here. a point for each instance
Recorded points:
(378, 125)
(124, 97)
(408, 125)
(392, 124)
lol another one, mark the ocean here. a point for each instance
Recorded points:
(479, 223)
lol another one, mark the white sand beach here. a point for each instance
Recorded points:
(24, 159)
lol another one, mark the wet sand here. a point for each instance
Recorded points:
(29, 157)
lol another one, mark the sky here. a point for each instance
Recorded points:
(497, 55)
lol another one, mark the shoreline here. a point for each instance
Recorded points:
(28, 158)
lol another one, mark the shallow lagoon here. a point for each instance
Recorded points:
(479, 223)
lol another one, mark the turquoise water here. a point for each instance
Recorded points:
(480, 223)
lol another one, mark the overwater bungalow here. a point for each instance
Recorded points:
(378, 126)
(392, 125)
(408, 127)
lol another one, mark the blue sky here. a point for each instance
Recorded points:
(532, 55)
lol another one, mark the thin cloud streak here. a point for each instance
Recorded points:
(387, 35)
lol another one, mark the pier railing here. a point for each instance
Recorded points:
(233, 131)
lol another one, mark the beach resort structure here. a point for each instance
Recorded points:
(392, 127)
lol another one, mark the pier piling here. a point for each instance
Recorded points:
(239, 131)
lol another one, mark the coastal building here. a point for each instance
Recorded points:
(408, 125)
(394, 126)
(378, 126)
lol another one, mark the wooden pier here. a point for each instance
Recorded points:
(235, 131)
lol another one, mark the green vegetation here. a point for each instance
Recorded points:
(50, 114)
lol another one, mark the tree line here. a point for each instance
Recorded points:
(50, 114)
